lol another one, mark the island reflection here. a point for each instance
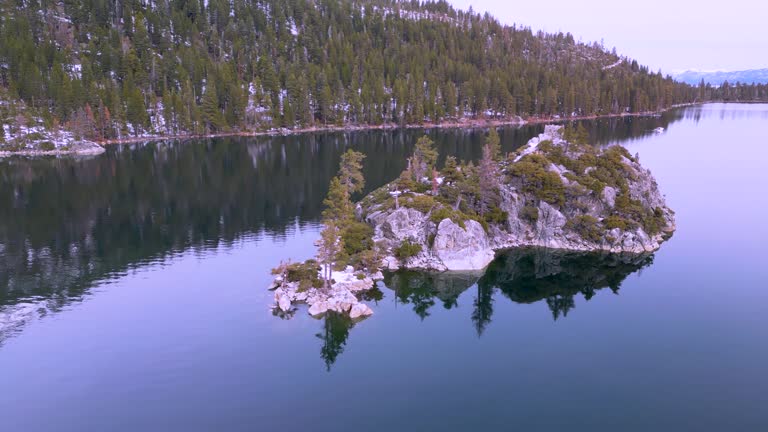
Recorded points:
(526, 276)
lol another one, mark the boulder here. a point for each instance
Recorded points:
(462, 248)
(284, 303)
(318, 308)
(360, 310)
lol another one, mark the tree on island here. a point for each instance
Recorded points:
(488, 173)
(344, 240)
(351, 171)
(329, 247)
(450, 172)
(424, 158)
(338, 206)
(575, 135)
(342, 236)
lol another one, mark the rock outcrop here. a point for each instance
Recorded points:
(339, 297)
(551, 193)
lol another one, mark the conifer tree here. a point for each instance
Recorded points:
(488, 176)
(136, 111)
(210, 109)
(450, 171)
(424, 157)
(494, 144)
(351, 172)
(338, 207)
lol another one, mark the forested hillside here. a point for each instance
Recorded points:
(106, 69)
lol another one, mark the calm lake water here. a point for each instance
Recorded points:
(133, 297)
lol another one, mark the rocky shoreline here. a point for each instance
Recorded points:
(340, 296)
(461, 123)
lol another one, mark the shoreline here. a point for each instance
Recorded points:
(453, 124)
(464, 123)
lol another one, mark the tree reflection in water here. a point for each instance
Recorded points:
(334, 335)
(522, 276)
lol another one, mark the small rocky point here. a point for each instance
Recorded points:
(340, 296)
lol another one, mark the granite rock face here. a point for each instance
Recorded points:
(460, 248)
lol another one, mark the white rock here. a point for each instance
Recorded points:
(360, 310)
(279, 293)
(318, 308)
(462, 249)
(377, 276)
(284, 302)
(390, 263)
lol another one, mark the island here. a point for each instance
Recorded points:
(556, 192)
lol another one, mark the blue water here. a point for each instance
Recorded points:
(132, 297)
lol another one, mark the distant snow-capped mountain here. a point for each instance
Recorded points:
(756, 76)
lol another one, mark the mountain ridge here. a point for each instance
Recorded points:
(717, 78)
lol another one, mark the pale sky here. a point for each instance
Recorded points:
(671, 35)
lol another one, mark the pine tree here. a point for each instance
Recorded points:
(488, 173)
(351, 172)
(210, 109)
(450, 171)
(338, 207)
(494, 144)
(136, 111)
(424, 157)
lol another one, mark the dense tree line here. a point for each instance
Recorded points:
(110, 68)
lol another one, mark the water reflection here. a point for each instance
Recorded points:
(532, 275)
(522, 276)
(334, 335)
(422, 290)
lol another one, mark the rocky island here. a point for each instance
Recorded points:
(551, 193)
(556, 192)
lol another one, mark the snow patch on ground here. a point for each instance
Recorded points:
(613, 65)
(38, 140)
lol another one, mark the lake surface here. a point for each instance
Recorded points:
(133, 296)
